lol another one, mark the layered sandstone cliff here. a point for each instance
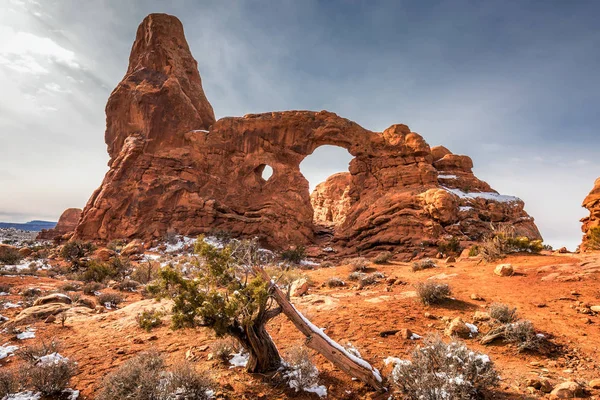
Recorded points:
(66, 225)
(173, 168)
(592, 203)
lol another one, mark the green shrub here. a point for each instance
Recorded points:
(474, 251)
(503, 313)
(75, 250)
(92, 287)
(423, 264)
(383, 258)
(452, 246)
(127, 285)
(97, 272)
(149, 320)
(505, 241)
(70, 287)
(357, 263)
(294, 255)
(110, 300)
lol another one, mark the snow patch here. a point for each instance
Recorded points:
(28, 334)
(474, 330)
(23, 396)
(52, 359)
(11, 305)
(7, 350)
(320, 390)
(239, 360)
(447, 177)
(490, 196)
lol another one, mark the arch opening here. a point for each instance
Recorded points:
(264, 172)
(326, 171)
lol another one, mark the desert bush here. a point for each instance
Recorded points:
(294, 255)
(423, 264)
(96, 272)
(503, 313)
(356, 276)
(149, 320)
(522, 334)
(32, 353)
(9, 382)
(370, 279)
(116, 245)
(326, 264)
(451, 246)
(358, 263)
(144, 377)
(505, 241)
(10, 256)
(593, 238)
(440, 370)
(432, 292)
(127, 285)
(29, 295)
(91, 288)
(383, 258)
(110, 300)
(474, 251)
(334, 282)
(5, 288)
(300, 371)
(74, 250)
(120, 266)
(49, 376)
(146, 272)
(70, 287)
(223, 348)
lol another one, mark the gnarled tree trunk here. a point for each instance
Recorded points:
(263, 354)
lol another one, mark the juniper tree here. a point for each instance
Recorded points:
(227, 298)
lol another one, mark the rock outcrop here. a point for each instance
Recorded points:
(66, 225)
(173, 168)
(592, 203)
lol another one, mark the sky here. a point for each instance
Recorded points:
(512, 84)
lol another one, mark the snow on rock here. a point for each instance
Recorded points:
(23, 396)
(396, 361)
(474, 330)
(238, 360)
(414, 336)
(7, 350)
(28, 334)
(11, 305)
(490, 196)
(319, 390)
(446, 176)
(72, 393)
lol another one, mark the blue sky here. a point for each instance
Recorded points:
(513, 84)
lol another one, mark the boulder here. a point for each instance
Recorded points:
(481, 316)
(40, 312)
(174, 168)
(103, 254)
(52, 298)
(7, 250)
(134, 247)
(567, 390)
(299, 287)
(595, 308)
(65, 226)
(594, 384)
(457, 327)
(504, 270)
(25, 252)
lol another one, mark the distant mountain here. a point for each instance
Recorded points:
(35, 226)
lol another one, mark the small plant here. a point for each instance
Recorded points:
(149, 320)
(31, 354)
(75, 250)
(474, 251)
(70, 287)
(593, 238)
(503, 313)
(144, 377)
(432, 292)
(423, 264)
(522, 334)
(127, 285)
(294, 255)
(505, 241)
(441, 370)
(383, 258)
(452, 246)
(116, 245)
(97, 272)
(145, 272)
(9, 382)
(5, 288)
(110, 300)
(358, 263)
(62, 318)
(222, 349)
(300, 370)
(29, 295)
(356, 276)
(371, 279)
(334, 282)
(92, 287)
(49, 375)
(10, 256)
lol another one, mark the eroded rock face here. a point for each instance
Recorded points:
(173, 168)
(66, 224)
(592, 203)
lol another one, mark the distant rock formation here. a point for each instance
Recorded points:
(66, 224)
(592, 203)
(173, 168)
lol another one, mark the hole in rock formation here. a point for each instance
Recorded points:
(265, 172)
(326, 170)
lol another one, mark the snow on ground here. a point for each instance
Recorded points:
(414, 336)
(238, 360)
(28, 334)
(492, 196)
(23, 396)
(11, 305)
(7, 350)
(52, 359)
(319, 390)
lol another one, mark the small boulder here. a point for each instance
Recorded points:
(457, 327)
(104, 254)
(594, 384)
(563, 250)
(85, 302)
(405, 333)
(299, 287)
(567, 390)
(504, 270)
(50, 319)
(134, 247)
(53, 298)
(450, 260)
(40, 312)
(475, 296)
(481, 316)
(25, 252)
(595, 308)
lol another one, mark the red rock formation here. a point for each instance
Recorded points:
(173, 168)
(331, 200)
(592, 203)
(66, 224)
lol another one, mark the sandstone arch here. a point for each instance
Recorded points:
(172, 167)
